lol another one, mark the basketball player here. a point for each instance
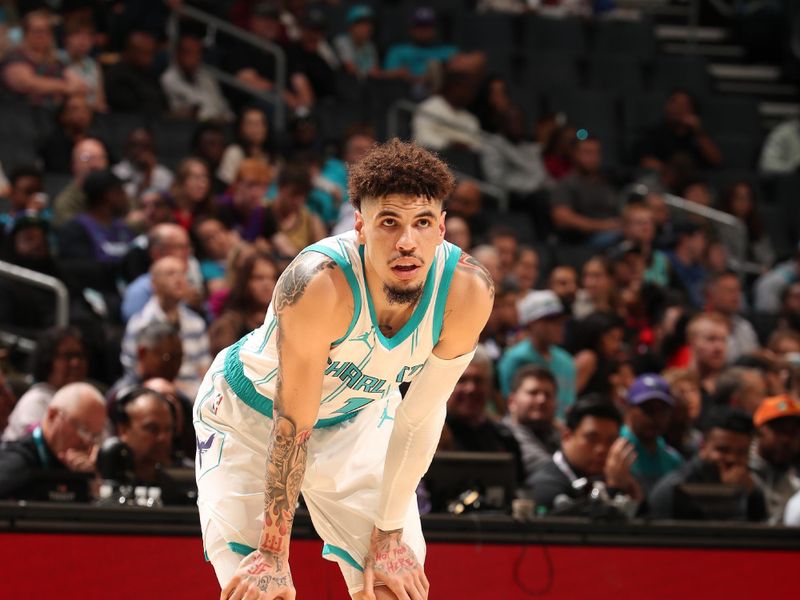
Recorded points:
(309, 401)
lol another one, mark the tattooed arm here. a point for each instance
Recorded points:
(417, 428)
(313, 305)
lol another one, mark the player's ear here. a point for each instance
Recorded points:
(442, 228)
(359, 227)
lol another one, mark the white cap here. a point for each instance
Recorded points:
(539, 305)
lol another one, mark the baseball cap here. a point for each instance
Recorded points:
(776, 407)
(539, 305)
(423, 15)
(359, 12)
(649, 387)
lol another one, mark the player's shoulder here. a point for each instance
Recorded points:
(471, 281)
(312, 281)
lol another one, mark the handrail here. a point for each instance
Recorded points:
(40, 280)
(215, 23)
(739, 240)
(393, 128)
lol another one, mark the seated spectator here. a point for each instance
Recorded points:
(144, 420)
(468, 426)
(251, 290)
(355, 47)
(357, 143)
(597, 292)
(67, 440)
(184, 441)
(208, 144)
(493, 103)
(443, 121)
(60, 359)
(647, 417)
(87, 155)
(784, 342)
(531, 417)
(563, 280)
(159, 355)
(252, 141)
(191, 192)
(98, 234)
(777, 446)
(25, 197)
(722, 459)
(73, 124)
(781, 150)
(724, 296)
(191, 91)
(311, 56)
(596, 345)
(32, 69)
(77, 58)
(789, 318)
(414, 59)
(682, 434)
(501, 329)
(513, 162)
(132, 84)
(24, 308)
(166, 239)
(680, 132)
(770, 286)
(506, 242)
(457, 232)
(584, 207)
(244, 209)
(686, 261)
(707, 335)
(558, 152)
(140, 169)
(590, 447)
(740, 201)
(216, 243)
(289, 226)
(542, 316)
(170, 286)
(741, 387)
(639, 231)
(466, 202)
(525, 271)
(257, 70)
(700, 192)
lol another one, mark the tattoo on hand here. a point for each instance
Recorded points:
(470, 265)
(294, 280)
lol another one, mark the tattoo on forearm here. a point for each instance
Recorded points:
(470, 265)
(286, 467)
(294, 280)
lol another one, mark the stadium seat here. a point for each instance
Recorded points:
(550, 71)
(173, 138)
(463, 160)
(627, 38)
(690, 74)
(490, 31)
(588, 109)
(738, 151)
(548, 34)
(615, 73)
(731, 115)
(642, 111)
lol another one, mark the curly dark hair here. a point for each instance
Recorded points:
(399, 168)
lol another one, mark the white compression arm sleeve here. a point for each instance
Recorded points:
(417, 428)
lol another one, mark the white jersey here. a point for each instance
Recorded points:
(364, 366)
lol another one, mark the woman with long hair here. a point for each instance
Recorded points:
(598, 292)
(597, 345)
(191, 192)
(252, 141)
(740, 201)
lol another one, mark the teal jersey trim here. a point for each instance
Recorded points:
(451, 262)
(205, 555)
(347, 269)
(247, 392)
(328, 549)
(242, 549)
(416, 318)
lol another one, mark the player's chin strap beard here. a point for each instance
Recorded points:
(402, 295)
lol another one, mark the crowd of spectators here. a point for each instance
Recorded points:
(628, 345)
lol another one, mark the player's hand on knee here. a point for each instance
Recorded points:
(392, 562)
(261, 576)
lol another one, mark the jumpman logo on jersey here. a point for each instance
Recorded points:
(385, 415)
(203, 447)
(364, 337)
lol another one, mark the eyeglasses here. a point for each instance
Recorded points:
(83, 432)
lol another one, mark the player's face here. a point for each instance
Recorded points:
(400, 235)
